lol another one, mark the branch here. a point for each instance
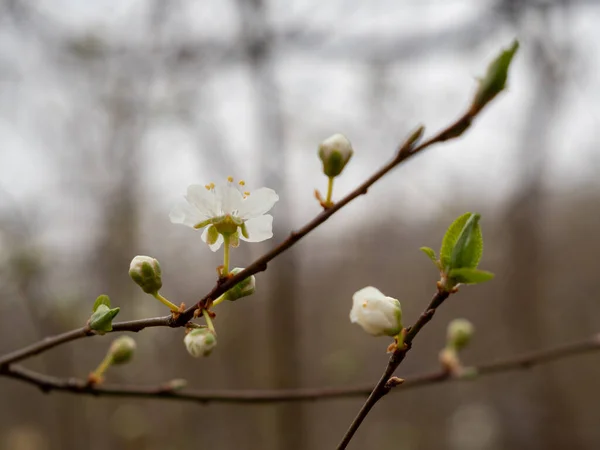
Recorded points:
(54, 341)
(404, 152)
(382, 387)
(166, 391)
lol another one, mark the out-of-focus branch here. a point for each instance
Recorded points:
(167, 390)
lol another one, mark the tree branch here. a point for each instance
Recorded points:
(54, 341)
(382, 387)
(405, 151)
(166, 391)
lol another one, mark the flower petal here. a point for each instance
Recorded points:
(259, 229)
(229, 198)
(257, 203)
(214, 247)
(186, 214)
(204, 200)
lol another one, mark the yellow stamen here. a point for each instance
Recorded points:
(246, 193)
(207, 186)
(242, 183)
(230, 179)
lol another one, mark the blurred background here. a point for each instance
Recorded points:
(108, 110)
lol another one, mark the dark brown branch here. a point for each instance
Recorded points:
(53, 341)
(382, 388)
(405, 151)
(48, 383)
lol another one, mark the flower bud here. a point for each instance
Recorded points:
(243, 288)
(121, 350)
(200, 342)
(495, 79)
(460, 332)
(375, 313)
(335, 152)
(145, 271)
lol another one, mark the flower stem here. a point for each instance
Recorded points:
(221, 299)
(209, 321)
(226, 239)
(103, 366)
(329, 191)
(165, 302)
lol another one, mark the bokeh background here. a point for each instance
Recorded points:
(108, 110)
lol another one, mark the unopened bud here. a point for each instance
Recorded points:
(145, 271)
(243, 288)
(495, 79)
(335, 152)
(122, 349)
(376, 313)
(200, 342)
(460, 332)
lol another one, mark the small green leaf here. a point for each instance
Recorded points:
(101, 300)
(431, 253)
(470, 276)
(495, 78)
(450, 238)
(468, 248)
(102, 318)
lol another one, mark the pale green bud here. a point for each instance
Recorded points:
(460, 332)
(145, 271)
(335, 152)
(122, 349)
(200, 342)
(243, 288)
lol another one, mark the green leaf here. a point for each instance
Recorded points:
(431, 253)
(468, 248)
(450, 238)
(495, 78)
(470, 276)
(101, 300)
(102, 318)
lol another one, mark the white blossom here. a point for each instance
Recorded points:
(376, 313)
(225, 209)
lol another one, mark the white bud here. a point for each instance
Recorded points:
(200, 342)
(243, 288)
(145, 271)
(122, 349)
(375, 313)
(335, 152)
(460, 332)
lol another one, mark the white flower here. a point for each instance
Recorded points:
(224, 209)
(375, 313)
(335, 152)
(200, 342)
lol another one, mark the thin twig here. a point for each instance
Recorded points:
(166, 391)
(53, 341)
(382, 388)
(404, 152)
